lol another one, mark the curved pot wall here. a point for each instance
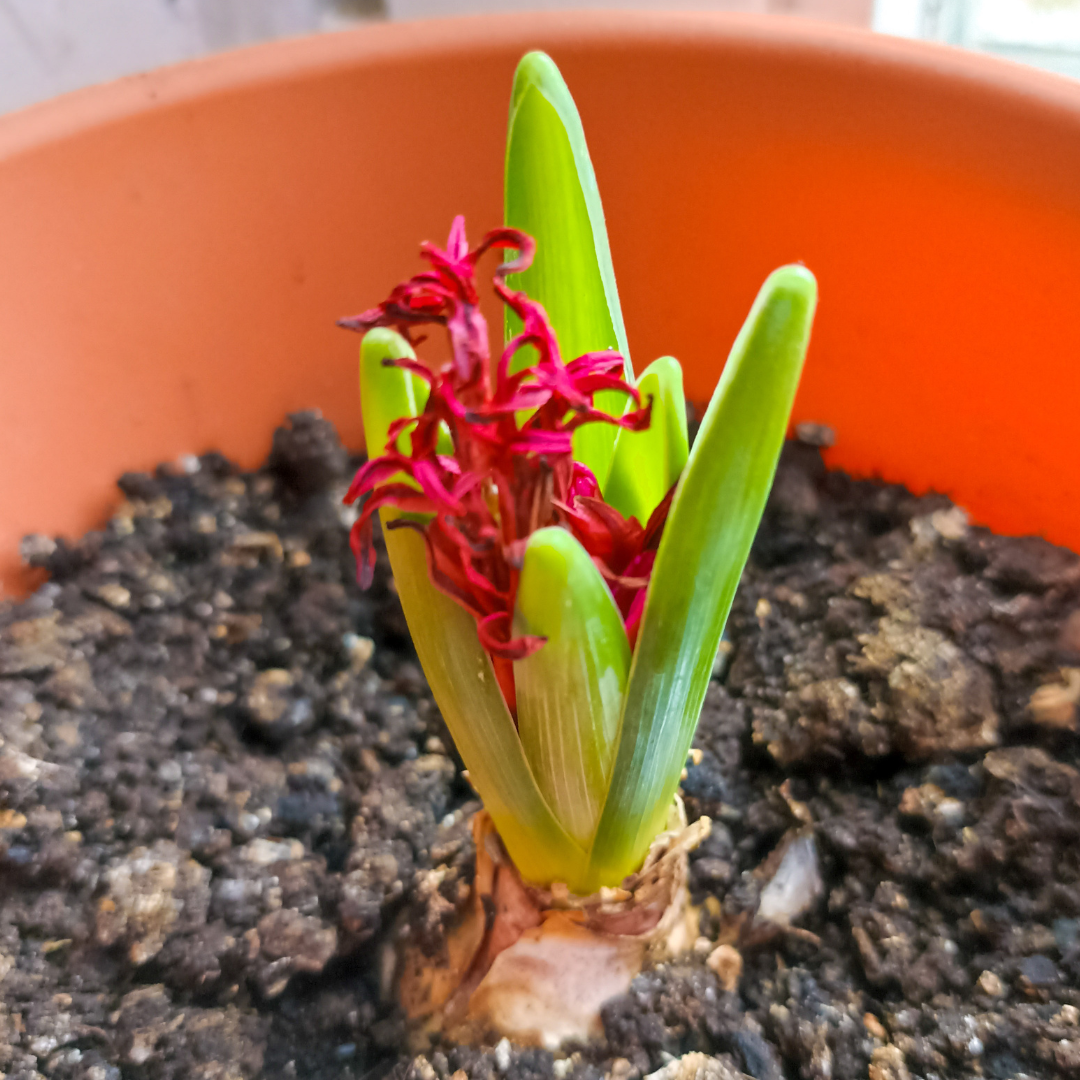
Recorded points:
(176, 247)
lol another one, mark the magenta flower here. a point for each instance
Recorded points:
(506, 477)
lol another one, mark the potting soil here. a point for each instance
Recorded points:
(226, 794)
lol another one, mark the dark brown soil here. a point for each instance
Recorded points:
(224, 789)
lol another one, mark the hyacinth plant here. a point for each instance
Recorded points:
(565, 562)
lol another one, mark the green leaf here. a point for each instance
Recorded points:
(551, 194)
(463, 682)
(387, 393)
(714, 516)
(458, 670)
(570, 692)
(646, 463)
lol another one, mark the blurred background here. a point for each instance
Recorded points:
(50, 46)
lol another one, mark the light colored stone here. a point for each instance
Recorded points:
(1054, 705)
(114, 594)
(262, 852)
(887, 1063)
(727, 962)
(151, 892)
(795, 885)
(874, 1027)
(697, 1067)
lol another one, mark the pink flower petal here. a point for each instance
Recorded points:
(503, 481)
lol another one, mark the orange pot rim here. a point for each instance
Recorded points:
(191, 80)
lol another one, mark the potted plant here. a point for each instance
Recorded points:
(566, 568)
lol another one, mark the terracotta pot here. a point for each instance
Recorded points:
(176, 247)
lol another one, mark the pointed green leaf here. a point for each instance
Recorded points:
(551, 194)
(457, 668)
(387, 393)
(646, 463)
(714, 516)
(570, 692)
(468, 695)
